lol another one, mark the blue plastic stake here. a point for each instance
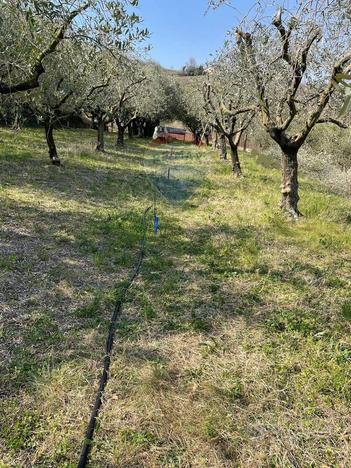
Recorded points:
(156, 224)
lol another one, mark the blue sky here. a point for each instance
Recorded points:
(180, 29)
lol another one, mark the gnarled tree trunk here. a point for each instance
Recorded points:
(139, 125)
(233, 143)
(130, 130)
(100, 145)
(290, 184)
(17, 120)
(120, 135)
(214, 139)
(245, 143)
(49, 134)
(222, 147)
(197, 138)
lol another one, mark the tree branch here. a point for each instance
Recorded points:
(245, 44)
(285, 36)
(332, 121)
(299, 65)
(63, 100)
(97, 87)
(38, 69)
(324, 97)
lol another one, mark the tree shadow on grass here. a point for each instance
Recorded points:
(59, 265)
(57, 274)
(203, 281)
(174, 189)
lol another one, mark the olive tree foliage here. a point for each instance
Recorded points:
(227, 96)
(12, 111)
(157, 94)
(156, 99)
(188, 104)
(32, 30)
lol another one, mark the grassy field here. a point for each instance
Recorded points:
(234, 345)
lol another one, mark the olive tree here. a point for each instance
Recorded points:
(127, 90)
(227, 101)
(98, 106)
(296, 63)
(97, 112)
(70, 82)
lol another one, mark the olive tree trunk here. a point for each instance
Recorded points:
(100, 144)
(17, 120)
(245, 143)
(222, 147)
(130, 130)
(290, 184)
(236, 168)
(49, 134)
(120, 134)
(214, 139)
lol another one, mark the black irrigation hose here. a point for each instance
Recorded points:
(89, 435)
